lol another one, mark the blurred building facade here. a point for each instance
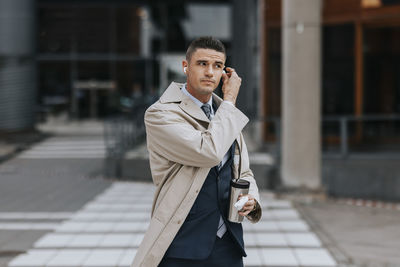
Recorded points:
(360, 91)
(86, 59)
(92, 58)
(360, 66)
(131, 48)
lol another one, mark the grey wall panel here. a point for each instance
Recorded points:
(17, 64)
(17, 24)
(17, 95)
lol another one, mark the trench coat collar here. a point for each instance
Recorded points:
(173, 94)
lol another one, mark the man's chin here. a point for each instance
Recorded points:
(207, 89)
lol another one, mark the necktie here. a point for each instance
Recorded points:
(207, 110)
(221, 225)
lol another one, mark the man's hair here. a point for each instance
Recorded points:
(206, 42)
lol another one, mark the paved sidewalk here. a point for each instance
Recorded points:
(360, 235)
(67, 147)
(45, 185)
(108, 230)
(54, 212)
(54, 222)
(13, 142)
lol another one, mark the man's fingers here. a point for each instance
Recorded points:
(249, 203)
(248, 195)
(231, 71)
(224, 77)
(244, 213)
(234, 74)
(248, 206)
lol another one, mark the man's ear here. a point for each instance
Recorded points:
(184, 66)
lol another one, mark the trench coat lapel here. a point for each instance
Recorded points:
(188, 106)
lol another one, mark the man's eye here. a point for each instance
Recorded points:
(218, 66)
(203, 64)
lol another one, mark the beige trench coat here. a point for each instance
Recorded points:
(183, 145)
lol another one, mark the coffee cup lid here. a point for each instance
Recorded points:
(240, 183)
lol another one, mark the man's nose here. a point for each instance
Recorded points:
(209, 71)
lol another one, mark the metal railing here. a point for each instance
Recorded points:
(122, 133)
(353, 134)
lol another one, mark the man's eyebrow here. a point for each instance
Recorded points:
(206, 61)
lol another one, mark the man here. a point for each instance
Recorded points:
(196, 147)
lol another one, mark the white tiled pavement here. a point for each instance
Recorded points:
(67, 148)
(108, 230)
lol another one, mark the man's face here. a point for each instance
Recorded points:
(204, 71)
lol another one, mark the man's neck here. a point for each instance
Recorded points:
(202, 98)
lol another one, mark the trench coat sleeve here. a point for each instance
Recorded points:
(248, 175)
(171, 136)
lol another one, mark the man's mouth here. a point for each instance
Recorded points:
(207, 81)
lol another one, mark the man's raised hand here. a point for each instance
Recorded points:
(231, 85)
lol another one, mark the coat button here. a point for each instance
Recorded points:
(179, 222)
(197, 191)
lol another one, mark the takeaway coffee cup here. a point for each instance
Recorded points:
(237, 187)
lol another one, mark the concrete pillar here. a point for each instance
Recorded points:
(145, 32)
(17, 64)
(244, 53)
(245, 58)
(145, 46)
(301, 74)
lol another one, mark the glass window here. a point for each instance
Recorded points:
(338, 70)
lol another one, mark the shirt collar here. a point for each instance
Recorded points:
(195, 100)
